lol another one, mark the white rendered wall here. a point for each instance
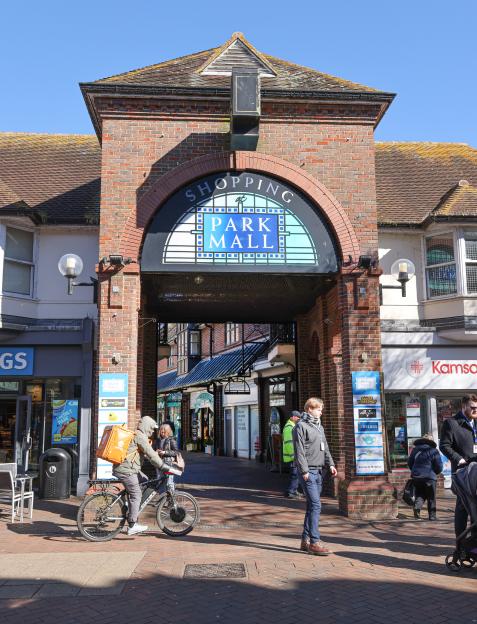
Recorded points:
(50, 299)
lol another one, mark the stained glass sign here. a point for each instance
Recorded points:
(238, 221)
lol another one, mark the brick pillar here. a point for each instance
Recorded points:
(118, 305)
(331, 337)
(363, 497)
(147, 364)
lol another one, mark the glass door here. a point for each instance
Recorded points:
(23, 440)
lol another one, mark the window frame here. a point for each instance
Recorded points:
(232, 333)
(466, 261)
(456, 262)
(31, 264)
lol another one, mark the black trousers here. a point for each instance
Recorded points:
(460, 517)
(425, 490)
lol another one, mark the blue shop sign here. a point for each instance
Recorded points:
(16, 360)
(240, 233)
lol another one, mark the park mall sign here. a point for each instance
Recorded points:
(235, 222)
(436, 368)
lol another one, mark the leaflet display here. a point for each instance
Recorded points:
(368, 426)
(113, 410)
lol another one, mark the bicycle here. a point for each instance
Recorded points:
(102, 515)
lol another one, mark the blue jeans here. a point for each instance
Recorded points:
(293, 485)
(312, 490)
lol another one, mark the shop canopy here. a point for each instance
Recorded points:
(218, 368)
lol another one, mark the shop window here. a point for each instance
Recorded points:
(406, 420)
(232, 333)
(194, 343)
(18, 263)
(446, 407)
(441, 273)
(470, 241)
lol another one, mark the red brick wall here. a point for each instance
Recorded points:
(143, 140)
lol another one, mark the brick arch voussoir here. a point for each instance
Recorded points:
(267, 164)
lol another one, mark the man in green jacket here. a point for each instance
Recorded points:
(289, 454)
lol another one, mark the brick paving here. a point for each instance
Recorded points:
(379, 572)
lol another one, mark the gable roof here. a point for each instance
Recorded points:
(236, 52)
(413, 178)
(54, 178)
(190, 72)
(460, 201)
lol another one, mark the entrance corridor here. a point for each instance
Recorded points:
(389, 571)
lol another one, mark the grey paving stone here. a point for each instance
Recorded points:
(57, 589)
(18, 591)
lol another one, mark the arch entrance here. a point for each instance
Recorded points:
(237, 245)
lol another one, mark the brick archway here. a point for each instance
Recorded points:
(178, 177)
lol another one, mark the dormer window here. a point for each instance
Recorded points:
(441, 273)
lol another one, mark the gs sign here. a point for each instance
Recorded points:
(16, 361)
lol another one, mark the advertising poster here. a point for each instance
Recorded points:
(113, 410)
(64, 425)
(368, 432)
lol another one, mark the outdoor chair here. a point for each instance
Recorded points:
(15, 489)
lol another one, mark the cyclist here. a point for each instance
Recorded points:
(129, 472)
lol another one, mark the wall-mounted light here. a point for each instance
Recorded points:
(402, 270)
(71, 266)
(116, 260)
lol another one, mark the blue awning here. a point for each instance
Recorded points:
(218, 368)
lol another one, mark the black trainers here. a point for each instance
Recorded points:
(417, 514)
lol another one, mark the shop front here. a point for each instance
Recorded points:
(45, 394)
(423, 387)
(202, 422)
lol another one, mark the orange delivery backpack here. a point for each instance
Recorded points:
(114, 443)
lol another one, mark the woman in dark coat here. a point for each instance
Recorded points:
(166, 447)
(425, 463)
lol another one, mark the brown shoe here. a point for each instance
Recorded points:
(319, 549)
(304, 545)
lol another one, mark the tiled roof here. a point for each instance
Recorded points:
(186, 72)
(461, 201)
(56, 175)
(413, 178)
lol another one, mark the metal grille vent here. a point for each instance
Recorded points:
(215, 570)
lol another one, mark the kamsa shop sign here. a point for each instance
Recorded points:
(429, 369)
(239, 222)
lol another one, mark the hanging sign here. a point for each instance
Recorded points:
(113, 410)
(368, 428)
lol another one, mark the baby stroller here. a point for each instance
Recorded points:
(464, 485)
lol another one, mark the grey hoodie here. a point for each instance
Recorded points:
(139, 449)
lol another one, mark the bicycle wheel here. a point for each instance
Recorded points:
(101, 516)
(177, 515)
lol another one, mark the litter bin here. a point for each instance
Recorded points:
(55, 474)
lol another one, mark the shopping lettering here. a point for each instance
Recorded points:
(239, 232)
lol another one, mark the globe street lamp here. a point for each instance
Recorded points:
(71, 266)
(402, 270)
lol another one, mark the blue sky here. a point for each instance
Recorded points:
(423, 50)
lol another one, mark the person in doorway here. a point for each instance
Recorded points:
(459, 444)
(311, 456)
(425, 463)
(288, 454)
(166, 447)
(129, 472)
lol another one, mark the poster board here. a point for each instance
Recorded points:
(113, 410)
(368, 426)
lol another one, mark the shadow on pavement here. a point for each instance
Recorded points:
(168, 600)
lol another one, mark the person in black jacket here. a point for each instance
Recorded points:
(459, 444)
(166, 447)
(425, 463)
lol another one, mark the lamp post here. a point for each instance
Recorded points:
(402, 270)
(71, 266)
